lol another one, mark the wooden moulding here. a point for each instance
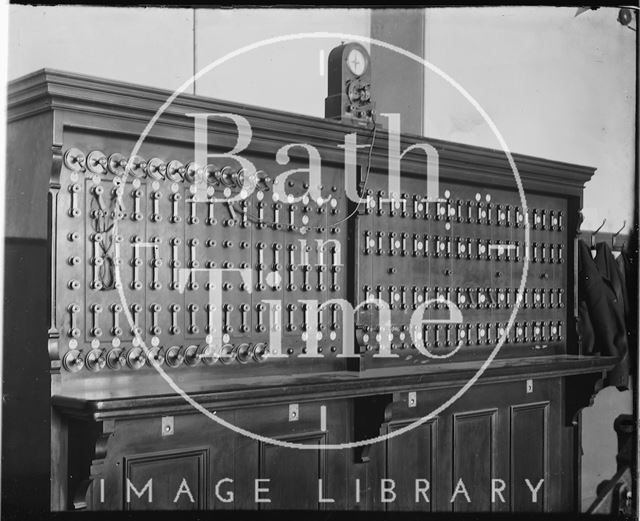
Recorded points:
(336, 386)
(129, 107)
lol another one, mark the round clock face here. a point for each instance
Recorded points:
(356, 61)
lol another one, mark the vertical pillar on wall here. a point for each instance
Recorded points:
(193, 49)
(398, 81)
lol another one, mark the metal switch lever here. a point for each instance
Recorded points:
(96, 309)
(116, 330)
(276, 256)
(379, 248)
(334, 278)
(305, 274)
(193, 215)
(334, 317)
(193, 328)
(136, 262)
(135, 312)
(290, 319)
(155, 206)
(292, 216)
(392, 243)
(175, 262)
(174, 309)
(276, 215)
(210, 220)
(260, 318)
(137, 195)
(175, 212)
(210, 308)
(260, 223)
(244, 222)
(380, 195)
(97, 261)
(74, 210)
(154, 329)
(74, 331)
(193, 263)
(321, 270)
(226, 309)
(244, 308)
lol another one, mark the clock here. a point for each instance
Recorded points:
(357, 62)
(349, 87)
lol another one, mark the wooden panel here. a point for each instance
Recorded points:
(171, 472)
(411, 457)
(529, 448)
(473, 459)
(28, 171)
(25, 408)
(294, 474)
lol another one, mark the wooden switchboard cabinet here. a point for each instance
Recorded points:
(110, 311)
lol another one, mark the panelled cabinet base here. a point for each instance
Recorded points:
(89, 214)
(507, 444)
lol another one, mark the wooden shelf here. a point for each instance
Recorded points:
(284, 389)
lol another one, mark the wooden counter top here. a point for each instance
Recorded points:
(270, 390)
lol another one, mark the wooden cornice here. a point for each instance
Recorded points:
(51, 90)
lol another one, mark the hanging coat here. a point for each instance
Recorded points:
(630, 292)
(600, 288)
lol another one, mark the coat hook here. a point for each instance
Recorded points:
(593, 233)
(613, 237)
